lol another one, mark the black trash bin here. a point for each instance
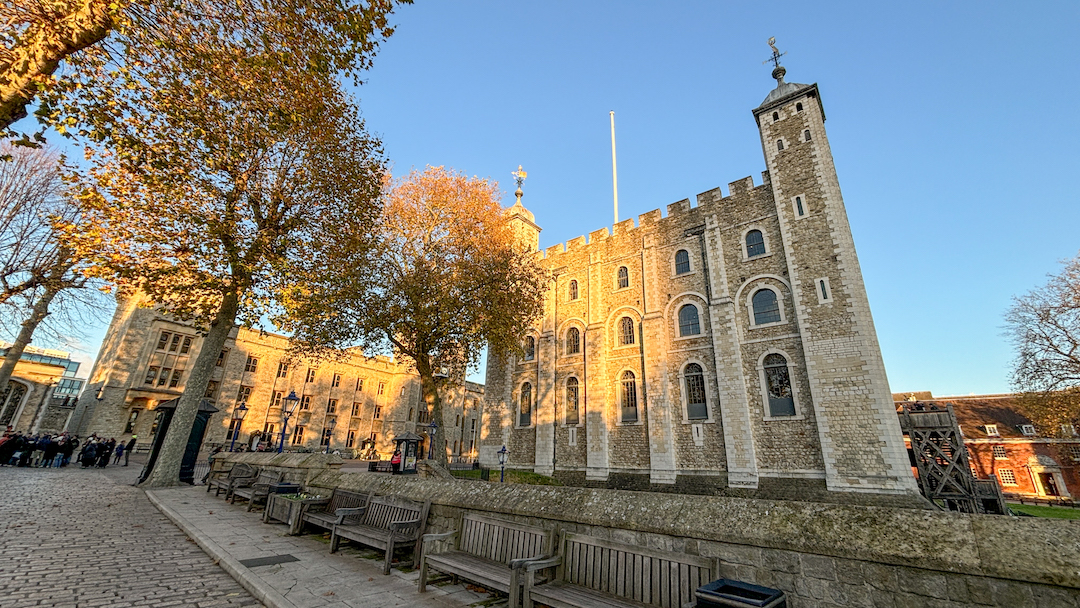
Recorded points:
(284, 488)
(726, 592)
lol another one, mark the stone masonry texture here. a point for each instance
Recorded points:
(73, 538)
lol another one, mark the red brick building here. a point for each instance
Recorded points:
(1027, 460)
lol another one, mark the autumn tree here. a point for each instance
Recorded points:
(41, 277)
(73, 56)
(445, 279)
(220, 179)
(1044, 326)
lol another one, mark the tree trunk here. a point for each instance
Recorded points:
(42, 49)
(37, 315)
(166, 470)
(430, 388)
(54, 284)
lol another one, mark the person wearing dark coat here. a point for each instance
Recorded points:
(129, 448)
(67, 448)
(88, 454)
(8, 448)
(105, 451)
(52, 448)
(29, 444)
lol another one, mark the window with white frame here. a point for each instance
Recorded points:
(682, 262)
(688, 320)
(755, 244)
(1027, 429)
(766, 307)
(778, 385)
(1074, 451)
(626, 331)
(1000, 453)
(572, 416)
(628, 397)
(1007, 477)
(1068, 430)
(335, 381)
(824, 291)
(992, 430)
(694, 381)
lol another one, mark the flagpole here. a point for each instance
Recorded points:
(614, 173)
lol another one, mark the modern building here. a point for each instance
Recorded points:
(727, 343)
(349, 404)
(42, 391)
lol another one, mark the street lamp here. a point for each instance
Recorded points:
(330, 424)
(238, 419)
(288, 406)
(431, 439)
(503, 454)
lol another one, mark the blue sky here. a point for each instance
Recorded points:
(953, 127)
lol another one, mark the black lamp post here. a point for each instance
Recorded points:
(238, 419)
(288, 406)
(432, 428)
(330, 424)
(503, 454)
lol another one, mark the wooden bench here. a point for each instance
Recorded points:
(386, 522)
(223, 479)
(484, 548)
(253, 488)
(596, 573)
(323, 513)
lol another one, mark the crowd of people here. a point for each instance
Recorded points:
(48, 450)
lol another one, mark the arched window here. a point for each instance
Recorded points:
(573, 341)
(682, 262)
(779, 145)
(695, 393)
(530, 348)
(525, 405)
(573, 290)
(624, 277)
(798, 107)
(572, 401)
(688, 321)
(766, 308)
(755, 243)
(776, 116)
(628, 396)
(798, 206)
(626, 331)
(806, 135)
(778, 384)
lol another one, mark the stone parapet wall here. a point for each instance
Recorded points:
(819, 554)
(297, 468)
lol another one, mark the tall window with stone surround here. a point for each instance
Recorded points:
(624, 278)
(251, 365)
(626, 331)
(298, 435)
(682, 262)
(755, 244)
(572, 416)
(525, 405)
(688, 321)
(778, 384)
(628, 397)
(766, 307)
(696, 408)
(573, 292)
(530, 348)
(573, 341)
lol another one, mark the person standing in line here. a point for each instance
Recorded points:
(119, 452)
(127, 449)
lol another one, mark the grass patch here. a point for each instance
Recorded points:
(1046, 511)
(512, 476)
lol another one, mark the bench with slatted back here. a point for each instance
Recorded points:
(225, 478)
(323, 513)
(386, 522)
(256, 488)
(596, 573)
(483, 549)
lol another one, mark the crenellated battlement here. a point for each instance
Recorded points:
(658, 219)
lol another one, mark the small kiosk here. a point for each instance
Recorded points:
(409, 444)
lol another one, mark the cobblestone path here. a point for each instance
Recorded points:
(80, 538)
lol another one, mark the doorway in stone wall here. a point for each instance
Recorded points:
(1049, 484)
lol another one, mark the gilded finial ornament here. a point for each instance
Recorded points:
(778, 71)
(519, 177)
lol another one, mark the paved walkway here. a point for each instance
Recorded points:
(77, 538)
(349, 579)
